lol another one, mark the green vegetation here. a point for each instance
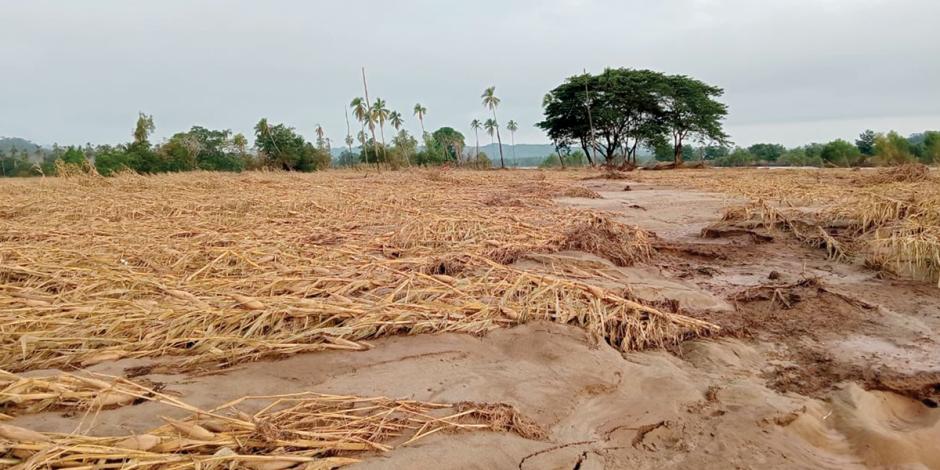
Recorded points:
(622, 110)
(615, 118)
(870, 148)
(576, 158)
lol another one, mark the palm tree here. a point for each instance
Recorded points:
(363, 138)
(475, 125)
(362, 112)
(394, 118)
(512, 127)
(420, 111)
(380, 115)
(320, 133)
(491, 128)
(492, 102)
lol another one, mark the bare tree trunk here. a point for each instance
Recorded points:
(348, 131)
(587, 153)
(587, 96)
(382, 132)
(561, 161)
(677, 153)
(502, 163)
(375, 145)
(477, 132)
(512, 137)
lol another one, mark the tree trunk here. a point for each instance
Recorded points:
(384, 153)
(677, 156)
(348, 132)
(477, 155)
(587, 153)
(375, 145)
(502, 163)
(561, 161)
(512, 137)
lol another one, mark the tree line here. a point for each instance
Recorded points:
(610, 118)
(276, 146)
(870, 148)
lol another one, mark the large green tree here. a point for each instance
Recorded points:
(451, 142)
(840, 153)
(892, 149)
(280, 147)
(767, 152)
(932, 147)
(204, 149)
(621, 110)
(690, 110)
(866, 142)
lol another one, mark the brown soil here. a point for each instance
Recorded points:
(820, 364)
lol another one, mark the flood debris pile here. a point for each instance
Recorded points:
(303, 430)
(221, 269)
(888, 219)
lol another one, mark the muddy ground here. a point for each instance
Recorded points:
(821, 364)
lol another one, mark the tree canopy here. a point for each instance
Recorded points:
(280, 147)
(620, 110)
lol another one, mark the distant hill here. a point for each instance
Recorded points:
(8, 143)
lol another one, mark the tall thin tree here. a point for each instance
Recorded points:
(380, 115)
(491, 128)
(375, 145)
(492, 102)
(475, 125)
(394, 118)
(420, 111)
(363, 113)
(349, 137)
(512, 127)
(321, 141)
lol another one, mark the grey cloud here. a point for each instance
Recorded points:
(79, 71)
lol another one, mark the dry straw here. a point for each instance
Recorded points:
(207, 269)
(302, 431)
(890, 217)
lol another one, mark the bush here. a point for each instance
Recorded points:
(738, 157)
(892, 149)
(280, 147)
(110, 160)
(841, 153)
(800, 157)
(573, 159)
(480, 162)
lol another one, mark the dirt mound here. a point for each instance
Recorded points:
(881, 430)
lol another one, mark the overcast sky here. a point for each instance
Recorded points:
(793, 71)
